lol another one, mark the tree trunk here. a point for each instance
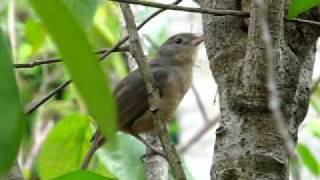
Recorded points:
(248, 144)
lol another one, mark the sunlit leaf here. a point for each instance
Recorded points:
(308, 159)
(65, 147)
(123, 160)
(82, 175)
(80, 61)
(11, 115)
(299, 6)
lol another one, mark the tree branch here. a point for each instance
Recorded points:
(216, 12)
(34, 105)
(164, 7)
(154, 99)
(41, 101)
(34, 63)
(274, 100)
(200, 104)
(156, 166)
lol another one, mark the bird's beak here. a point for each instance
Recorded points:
(197, 40)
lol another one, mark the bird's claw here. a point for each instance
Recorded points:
(150, 154)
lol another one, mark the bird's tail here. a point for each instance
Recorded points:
(97, 141)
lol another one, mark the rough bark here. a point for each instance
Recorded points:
(248, 144)
(156, 167)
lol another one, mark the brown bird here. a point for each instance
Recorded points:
(172, 71)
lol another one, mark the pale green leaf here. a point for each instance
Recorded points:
(123, 159)
(65, 147)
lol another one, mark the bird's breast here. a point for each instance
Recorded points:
(177, 85)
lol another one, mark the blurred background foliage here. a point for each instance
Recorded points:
(57, 135)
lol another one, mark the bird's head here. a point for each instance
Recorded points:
(180, 49)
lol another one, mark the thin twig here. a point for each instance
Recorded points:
(34, 105)
(303, 21)
(139, 27)
(184, 147)
(216, 12)
(172, 6)
(154, 99)
(34, 63)
(274, 101)
(156, 165)
(94, 147)
(38, 103)
(200, 104)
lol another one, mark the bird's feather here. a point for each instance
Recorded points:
(131, 96)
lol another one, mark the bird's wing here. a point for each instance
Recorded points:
(131, 95)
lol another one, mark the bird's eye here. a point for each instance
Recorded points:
(179, 40)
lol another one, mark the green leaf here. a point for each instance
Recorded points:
(11, 114)
(82, 175)
(123, 159)
(65, 147)
(35, 34)
(83, 10)
(98, 166)
(106, 31)
(299, 6)
(308, 159)
(80, 61)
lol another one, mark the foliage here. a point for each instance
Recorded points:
(83, 10)
(79, 58)
(71, 30)
(123, 159)
(11, 116)
(76, 28)
(300, 6)
(308, 159)
(65, 146)
(82, 175)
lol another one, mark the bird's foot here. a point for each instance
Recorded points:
(153, 152)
